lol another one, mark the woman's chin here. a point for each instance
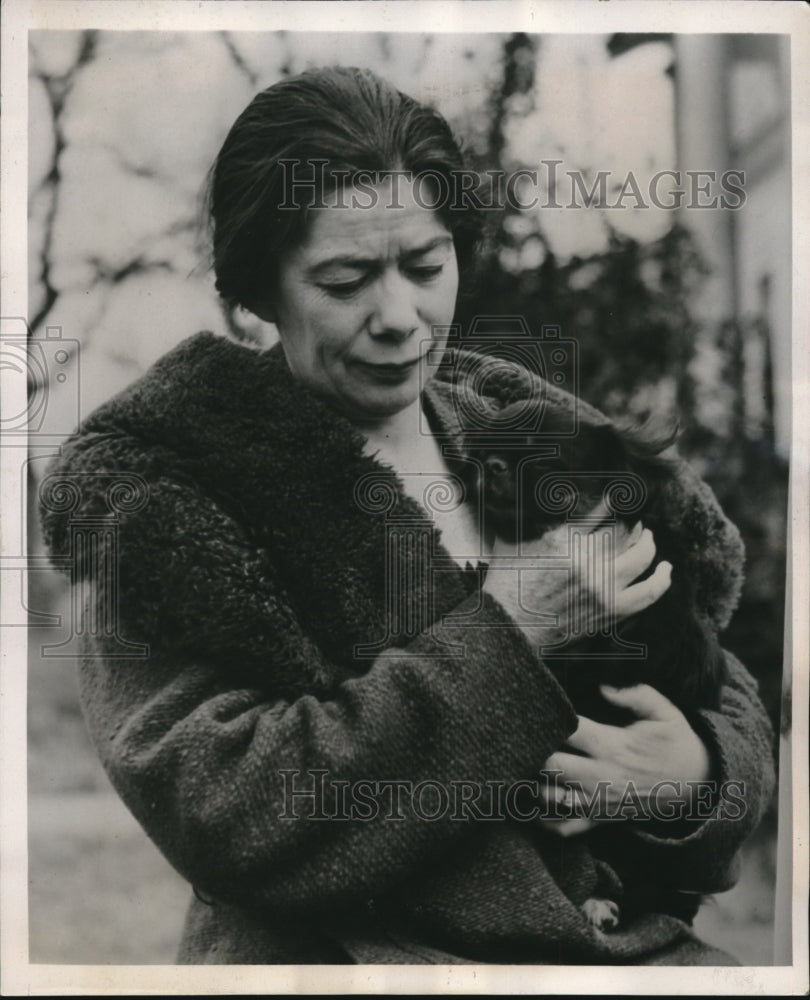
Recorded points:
(366, 401)
(381, 405)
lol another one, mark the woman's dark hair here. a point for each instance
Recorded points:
(353, 120)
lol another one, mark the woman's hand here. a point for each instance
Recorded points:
(553, 603)
(659, 753)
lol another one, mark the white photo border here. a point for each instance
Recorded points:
(467, 16)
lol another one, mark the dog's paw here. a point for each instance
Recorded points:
(603, 914)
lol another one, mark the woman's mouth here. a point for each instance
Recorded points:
(389, 372)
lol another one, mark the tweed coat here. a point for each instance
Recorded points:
(255, 570)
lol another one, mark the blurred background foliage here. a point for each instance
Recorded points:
(677, 313)
(631, 296)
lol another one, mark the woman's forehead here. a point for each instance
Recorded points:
(384, 229)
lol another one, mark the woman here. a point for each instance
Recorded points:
(322, 639)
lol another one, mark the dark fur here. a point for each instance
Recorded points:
(683, 659)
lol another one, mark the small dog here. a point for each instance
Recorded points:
(684, 660)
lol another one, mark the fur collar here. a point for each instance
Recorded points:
(294, 476)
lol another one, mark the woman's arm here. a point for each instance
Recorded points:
(733, 768)
(202, 765)
(703, 856)
(205, 751)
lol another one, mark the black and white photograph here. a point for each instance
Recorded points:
(405, 497)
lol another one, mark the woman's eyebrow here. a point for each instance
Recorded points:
(359, 261)
(341, 260)
(435, 243)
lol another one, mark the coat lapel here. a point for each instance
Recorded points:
(361, 560)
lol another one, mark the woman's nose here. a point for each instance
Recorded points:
(395, 314)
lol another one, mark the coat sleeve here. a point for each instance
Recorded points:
(228, 782)
(703, 855)
(216, 762)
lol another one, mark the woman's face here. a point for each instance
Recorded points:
(358, 302)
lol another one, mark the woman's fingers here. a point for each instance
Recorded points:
(641, 595)
(627, 537)
(599, 740)
(581, 786)
(627, 598)
(553, 605)
(572, 827)
(572, 769)
(641, 699)
(636, 558)
(591, 738)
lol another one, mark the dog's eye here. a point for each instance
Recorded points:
(496, 467)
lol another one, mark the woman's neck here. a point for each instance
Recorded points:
(399, 435)
(406, 444)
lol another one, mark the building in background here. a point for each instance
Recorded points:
(733, 114)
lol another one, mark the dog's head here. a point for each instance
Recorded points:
(535, 481)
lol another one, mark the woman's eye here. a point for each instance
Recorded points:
(427, 272)
(344, 289)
